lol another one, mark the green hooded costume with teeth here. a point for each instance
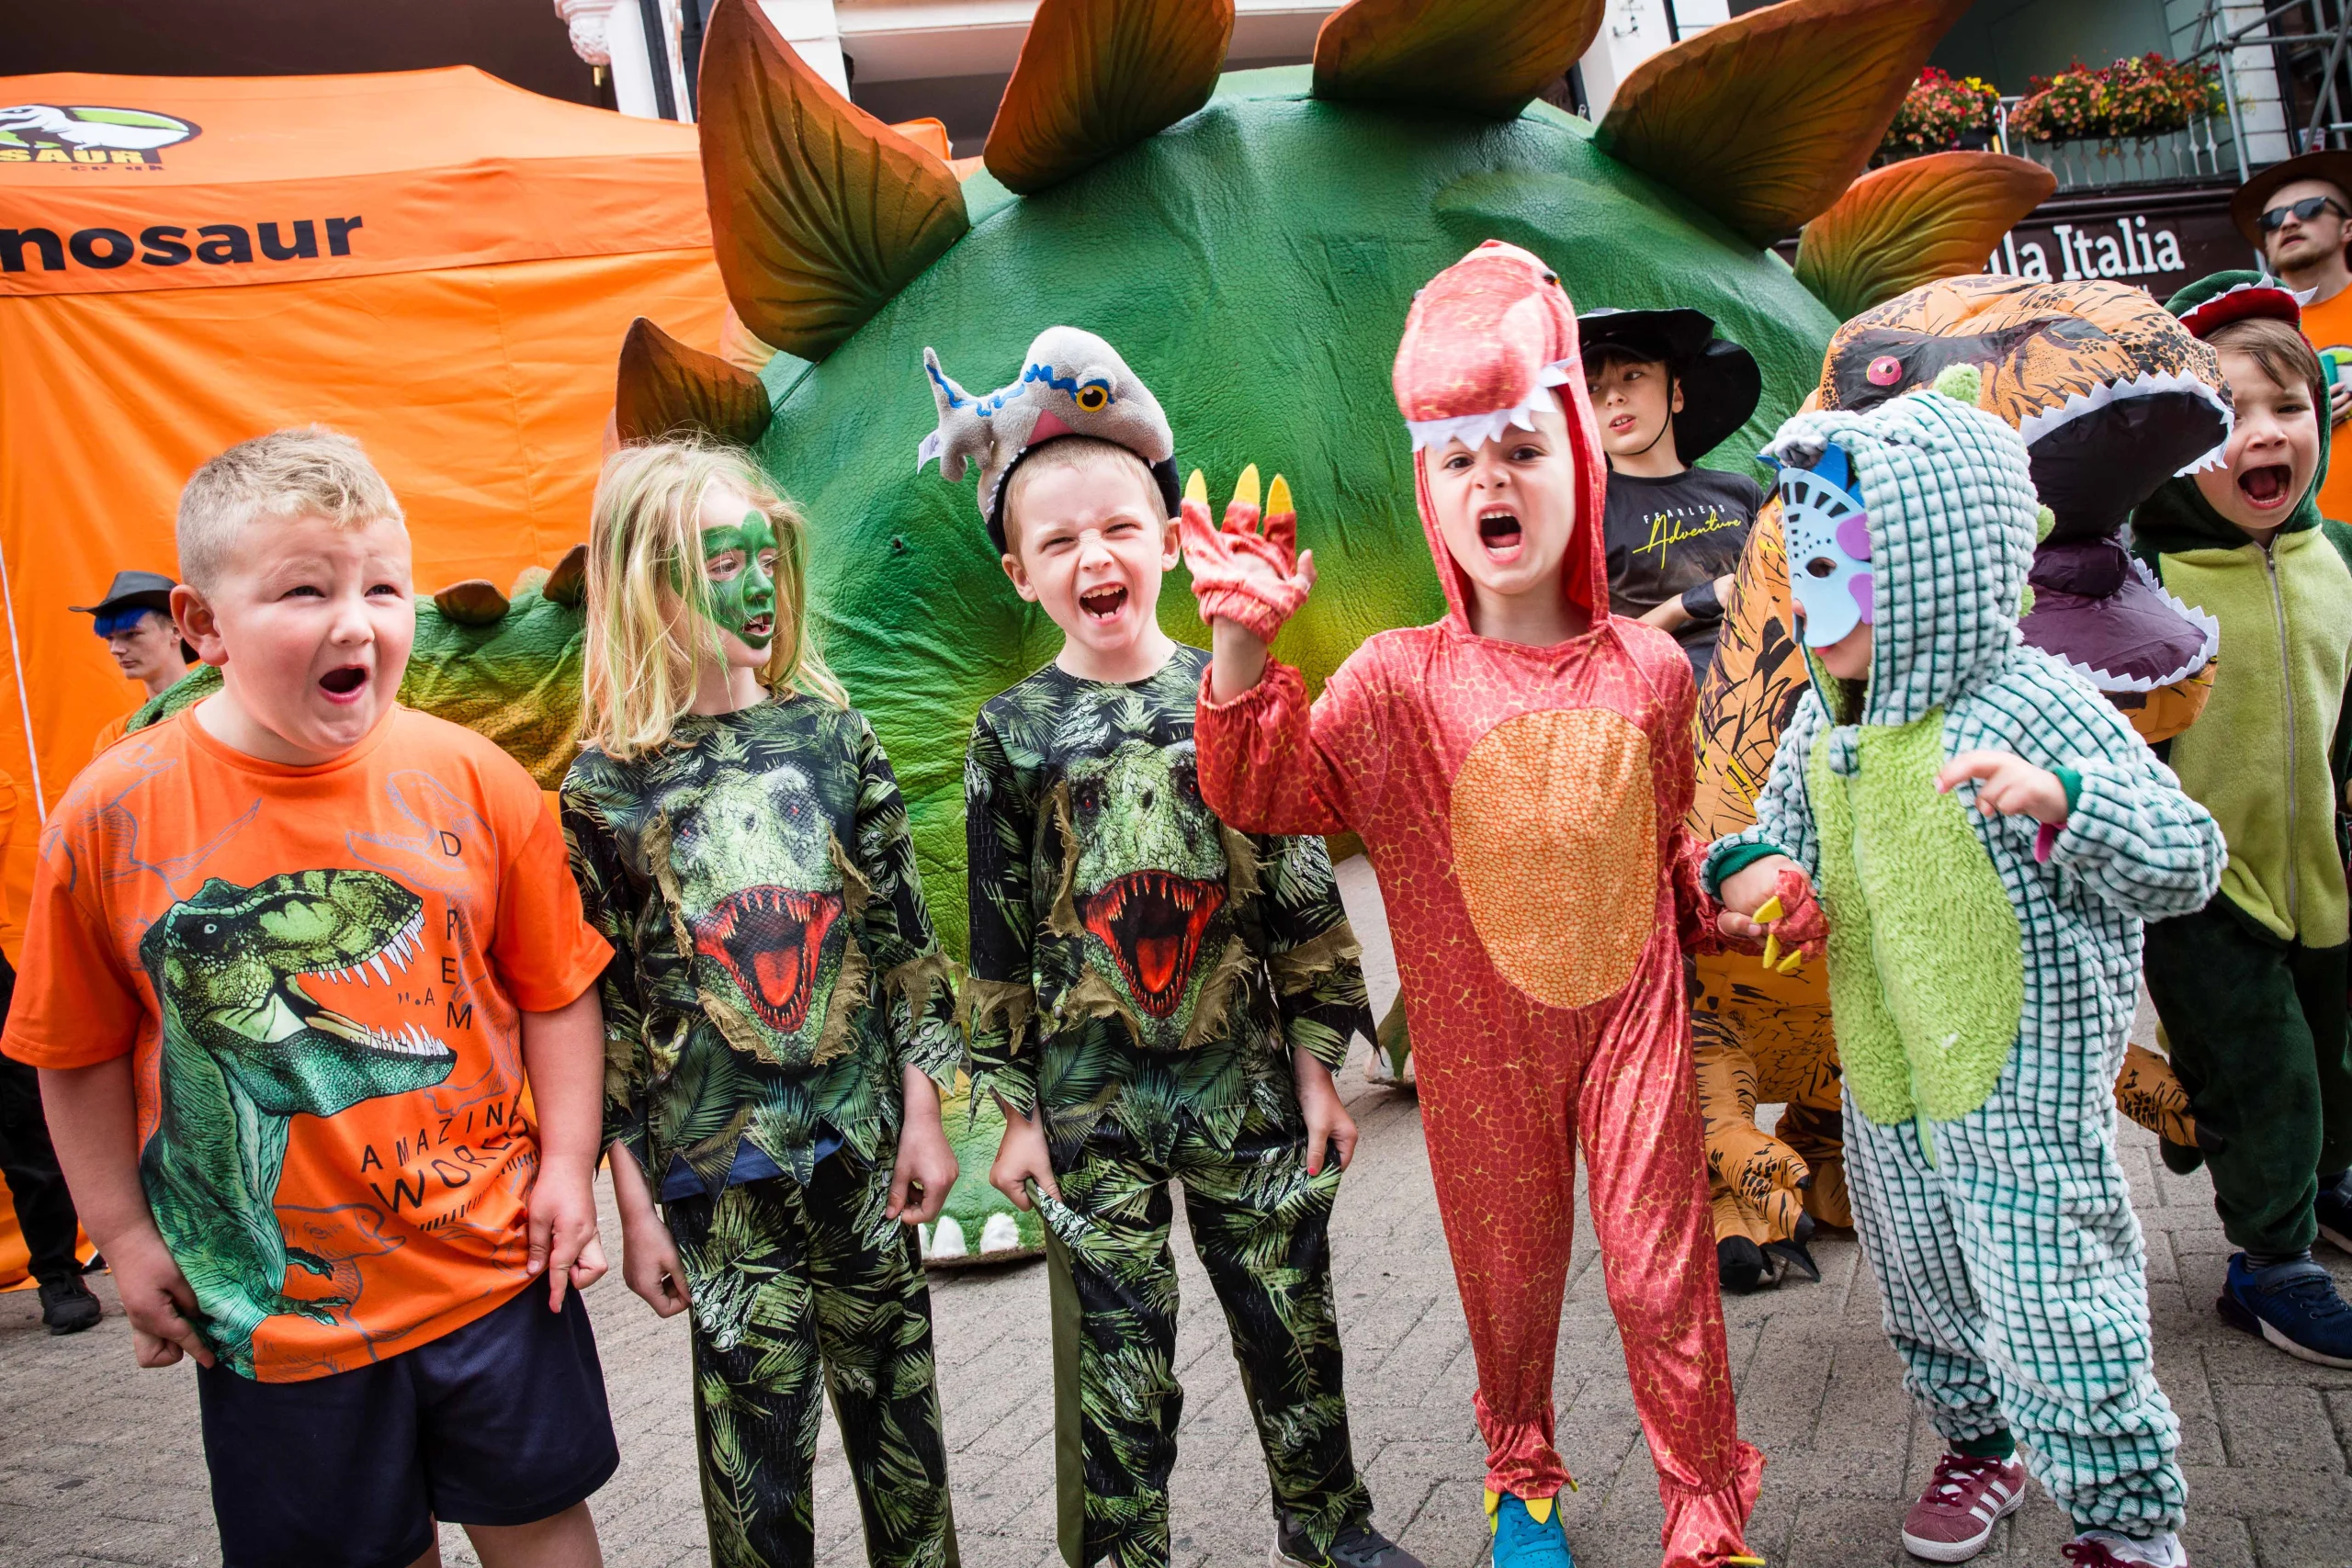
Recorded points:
(1982, 968)
(2251, 987)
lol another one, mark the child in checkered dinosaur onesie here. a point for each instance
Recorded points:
(1153, 997)
(778, 1015)
(1987, 834)
(1519, 772)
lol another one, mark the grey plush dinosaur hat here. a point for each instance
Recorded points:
(1072, 383)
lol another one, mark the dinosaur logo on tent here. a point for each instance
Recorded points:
(46, 133)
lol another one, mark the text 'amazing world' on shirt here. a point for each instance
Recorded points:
(319, 973)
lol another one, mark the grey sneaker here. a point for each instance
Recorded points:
(1358, 1546)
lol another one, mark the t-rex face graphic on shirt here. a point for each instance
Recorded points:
(752, 871)
(1149, 883)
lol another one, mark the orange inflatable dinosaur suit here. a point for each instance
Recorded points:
(2114, 397)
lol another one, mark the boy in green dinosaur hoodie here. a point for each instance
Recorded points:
(2251, 987)
(1988, 834)
(1154, 996)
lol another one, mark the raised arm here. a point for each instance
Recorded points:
(1262, 768)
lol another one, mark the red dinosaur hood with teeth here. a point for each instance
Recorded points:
(1153, 921)
(1488, 334)
(772, 941)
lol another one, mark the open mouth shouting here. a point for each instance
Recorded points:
(344, 683)
(771, 940)
(1499, 534)
(1103, 603)
(2266, 487)
(1153, 921)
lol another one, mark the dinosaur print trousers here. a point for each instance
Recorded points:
(790, 1284)
(1259, 1224)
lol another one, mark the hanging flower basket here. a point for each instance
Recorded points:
(1938, 113)
(2131, 100)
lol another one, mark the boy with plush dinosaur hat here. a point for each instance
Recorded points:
(1987, 835)
(1153, 996)
(1519, 772)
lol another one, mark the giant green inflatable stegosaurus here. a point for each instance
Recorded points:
(1251, 242)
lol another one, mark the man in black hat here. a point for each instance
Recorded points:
(135, 617)
(1666, 391)
(2298, 212)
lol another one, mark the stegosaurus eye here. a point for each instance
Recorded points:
(1094, 398)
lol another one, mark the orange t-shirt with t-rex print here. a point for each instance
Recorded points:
(320, 975)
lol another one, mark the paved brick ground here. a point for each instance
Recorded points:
(99, 1462)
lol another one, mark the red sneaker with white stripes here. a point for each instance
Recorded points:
(1953, 1518)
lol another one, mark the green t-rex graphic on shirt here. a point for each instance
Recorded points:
(1146, 878)
(754, 871)
(245, 1048)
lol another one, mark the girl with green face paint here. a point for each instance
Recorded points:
(735, 831)
(739, 562)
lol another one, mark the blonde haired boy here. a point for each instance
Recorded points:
(293, 956)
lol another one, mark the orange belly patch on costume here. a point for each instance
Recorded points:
(1555, 848)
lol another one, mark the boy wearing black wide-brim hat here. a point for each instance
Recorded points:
(1666, 391)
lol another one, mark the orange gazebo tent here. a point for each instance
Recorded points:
(437, 262)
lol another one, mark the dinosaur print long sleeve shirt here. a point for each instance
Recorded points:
(1132, 956)
(775, 968)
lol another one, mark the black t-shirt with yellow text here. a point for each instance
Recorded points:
(1668, 535)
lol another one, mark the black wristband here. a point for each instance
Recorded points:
(1698, 602)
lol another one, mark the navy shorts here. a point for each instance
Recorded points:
(503, 1422)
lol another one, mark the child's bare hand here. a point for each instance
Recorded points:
(158, 1300)
(564, 1243)
(1789, 921)
(1745, 891)
(2008, 785)
(1328, 1122)
(926, 1164)
(1020, 1158)
(1256, 580)
(650, 1265)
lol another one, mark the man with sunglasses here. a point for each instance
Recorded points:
(2299, 215)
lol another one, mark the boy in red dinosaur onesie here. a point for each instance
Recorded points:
(1518, 773)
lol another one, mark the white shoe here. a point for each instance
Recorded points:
(2105, 1549)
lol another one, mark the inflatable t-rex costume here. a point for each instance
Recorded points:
(2112, 396)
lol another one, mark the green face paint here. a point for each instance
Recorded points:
(740, 564)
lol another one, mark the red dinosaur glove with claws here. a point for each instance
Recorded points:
(1797, 931)
(1255, 578)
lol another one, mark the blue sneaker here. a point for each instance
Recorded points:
(1527, 1535)
(2294, 1305)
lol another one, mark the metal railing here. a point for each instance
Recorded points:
(2179, 157)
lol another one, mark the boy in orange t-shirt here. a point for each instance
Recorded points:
(292, 956)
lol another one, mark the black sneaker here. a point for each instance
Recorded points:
(1358, 1546)
(68, 1307)
(2335, 1209)
(2293, 1306)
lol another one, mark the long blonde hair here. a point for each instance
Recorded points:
(648, 594)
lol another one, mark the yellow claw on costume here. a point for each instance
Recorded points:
(1772, 951)
(1539, 1509)
(1767, 911)
(1791, 963)
(1743, 1563)
(1245, 489)
(1197, 488)
(1277, 497)
(1494, 1501)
